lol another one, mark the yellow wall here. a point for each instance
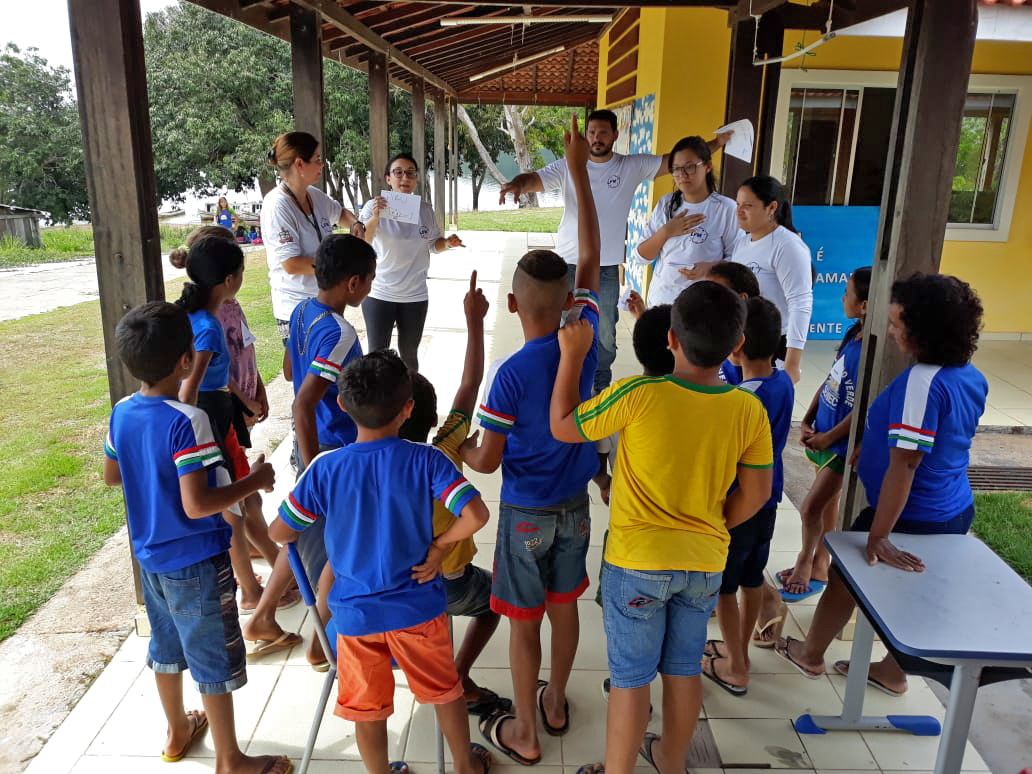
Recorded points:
(683, 59)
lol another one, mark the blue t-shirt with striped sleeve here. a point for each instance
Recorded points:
(934, 410)
(322, 342)
(377, 499)
(777, 394)
(155, 441)
(537, 470)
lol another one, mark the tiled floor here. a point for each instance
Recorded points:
(118, 727)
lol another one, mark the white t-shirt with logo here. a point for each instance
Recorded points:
(613, 184)
(402, 255)
(781, 263)
(713, 240)
(287, 232)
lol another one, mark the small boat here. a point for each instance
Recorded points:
(175, 212)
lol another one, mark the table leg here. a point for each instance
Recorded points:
(859, 666)
(963, 688)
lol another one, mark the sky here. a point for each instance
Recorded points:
(43, 24)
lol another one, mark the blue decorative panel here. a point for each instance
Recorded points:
(642, 132)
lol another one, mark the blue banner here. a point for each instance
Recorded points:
(840, 239)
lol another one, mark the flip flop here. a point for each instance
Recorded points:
(734, 690)
(285, 641)
(200, 726)
(711, 648)
(813, 587)
(592, 768)
(776, 624)
(480, 753)
(645, 751)
(271, 764)
(488, 705)
(781, 649)
(490, 729)
(399, 767)
(842, 668)
(320, 666)
(550, 729)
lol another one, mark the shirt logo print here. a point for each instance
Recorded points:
(699, 236)
(285, 237)
(424, 232)
(613, 181)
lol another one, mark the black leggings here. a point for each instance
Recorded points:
(380, 318)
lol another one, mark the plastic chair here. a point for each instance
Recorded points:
(308, 595)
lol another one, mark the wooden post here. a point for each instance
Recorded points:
(307, 70)
(439, 143)
(111, 81)
(419, 131)
(453, 163)
(930, 96)
(379, 131)
(752, 93)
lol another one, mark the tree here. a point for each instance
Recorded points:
(481, 143)
(41, 159)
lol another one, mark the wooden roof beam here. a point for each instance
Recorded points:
(741, 12)
(334, 15)
(506, 97)
(457, 61)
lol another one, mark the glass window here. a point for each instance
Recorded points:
(980, 158)
(819, 141)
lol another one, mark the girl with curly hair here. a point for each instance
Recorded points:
(914, 458)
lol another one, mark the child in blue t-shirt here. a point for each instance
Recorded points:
(320, 345)
(375, 497)
(727, 662)
(164, 455)
(915, 453)
(825, 435)
(739, 278)
(544, 524)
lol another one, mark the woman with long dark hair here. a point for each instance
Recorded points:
(779, 258)
(399, 295)
(691, 229)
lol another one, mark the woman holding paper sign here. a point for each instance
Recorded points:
(403, 234)
(691, 228)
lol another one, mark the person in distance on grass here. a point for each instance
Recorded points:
(374, 497)
(164, 455)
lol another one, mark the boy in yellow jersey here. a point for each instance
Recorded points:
(684, 438)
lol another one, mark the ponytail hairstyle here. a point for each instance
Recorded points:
(698, 146)
(289, 147)
(178, 256)
(210, 261)
(769, 189)
(862, 285)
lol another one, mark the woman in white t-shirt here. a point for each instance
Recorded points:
(691, 228)
(779, 258)
(399, 293)
(296, 217)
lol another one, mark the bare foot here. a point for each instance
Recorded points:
(887, 677)
(720, 666)
(555, 709)
(258, 628)
(182, 734)
(261, 764)
(797, 580)
(522, 745)
(771, 607)
(795, 651)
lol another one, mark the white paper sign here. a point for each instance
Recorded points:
(401, 207)
(621, 303)
(741, 143)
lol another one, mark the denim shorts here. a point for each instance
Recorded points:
(469, 594)
(194, 624)
(748, 552)
(540, 557)
(655, 622)
(311, 543)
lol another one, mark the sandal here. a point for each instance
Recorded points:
(489, 703)
(480, 753)
(774, 625)
(491, 727)
(711, 673)
(592, 768)
(200, 725)
(549, 728)
(842, 668)
(781, 649)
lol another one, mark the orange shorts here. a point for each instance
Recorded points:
(237, 456)
(365, 679)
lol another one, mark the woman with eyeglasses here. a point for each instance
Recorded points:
(399, 295)
(779, 258)
(296, 217)
(691, 229)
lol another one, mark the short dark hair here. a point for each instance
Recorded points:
(942, 315)
(540, 284)
(708, 320)
(601, 115)
(341, 256)
(151, 338)
(762, 329)
(650, 341)
(374, 388)
(739, 276)
(424, 410)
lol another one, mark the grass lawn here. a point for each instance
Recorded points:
(532, 219)
(1004, 521)
(64, 243)
(54, 508)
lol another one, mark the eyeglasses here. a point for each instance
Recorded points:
(688, 169)
(411, 174)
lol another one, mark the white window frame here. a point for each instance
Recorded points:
(1010, 175)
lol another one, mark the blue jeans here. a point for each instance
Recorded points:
(608, 296)
(194, 624)
(655, 621)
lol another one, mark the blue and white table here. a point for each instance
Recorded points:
(968, 611)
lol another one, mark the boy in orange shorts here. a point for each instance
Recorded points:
(387, 601)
